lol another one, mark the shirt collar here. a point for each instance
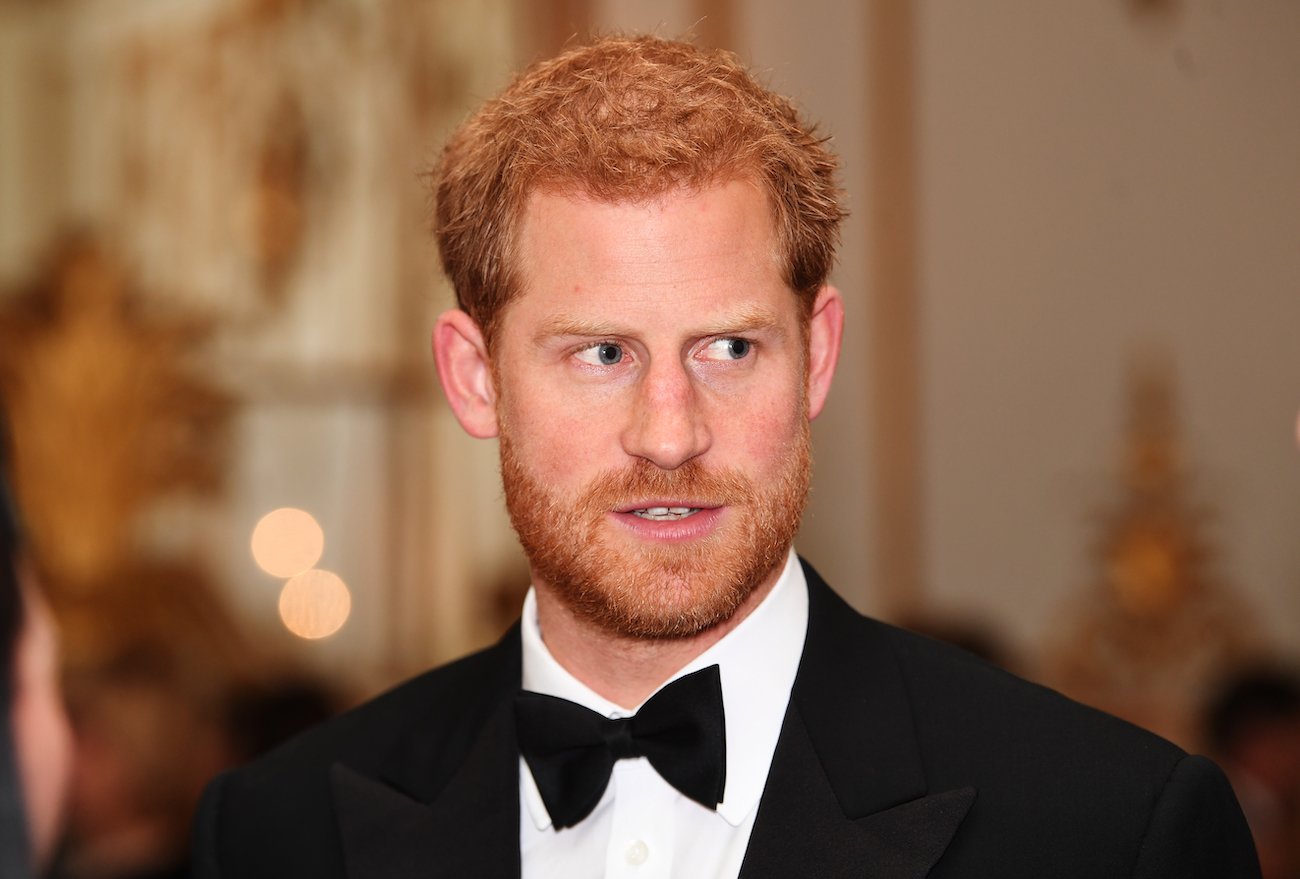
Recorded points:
(757, 661)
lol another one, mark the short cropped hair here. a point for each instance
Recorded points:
(628, 119)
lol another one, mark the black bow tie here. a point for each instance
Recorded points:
(571, 750)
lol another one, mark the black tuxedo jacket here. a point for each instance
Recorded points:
(899, 757)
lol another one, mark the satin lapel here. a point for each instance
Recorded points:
(446, 803)
(846, 795)
(802, 830)
(471, 829)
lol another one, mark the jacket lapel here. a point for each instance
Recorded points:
(445, 801)
(846, 794)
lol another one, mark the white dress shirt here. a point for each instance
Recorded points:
(642, 827)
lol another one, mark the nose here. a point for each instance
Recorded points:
(668, 425)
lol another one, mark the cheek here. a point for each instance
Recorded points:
(781, 436)
(560, 437)
(761, 436)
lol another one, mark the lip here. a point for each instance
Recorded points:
(693, 527)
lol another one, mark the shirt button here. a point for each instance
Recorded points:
(637, 853)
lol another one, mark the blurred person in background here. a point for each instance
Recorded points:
(147, 739)
(143, 744)
(1253, 729)
(35, 743)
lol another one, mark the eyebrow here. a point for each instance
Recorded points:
(746, 319)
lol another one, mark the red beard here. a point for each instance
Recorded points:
(651, 590)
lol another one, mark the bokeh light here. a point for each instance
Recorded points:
(287, 541)
(315, 604)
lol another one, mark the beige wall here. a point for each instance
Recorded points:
(1094, 181)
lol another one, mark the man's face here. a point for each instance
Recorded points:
(652, 398)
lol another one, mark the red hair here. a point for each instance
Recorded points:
(628, 119)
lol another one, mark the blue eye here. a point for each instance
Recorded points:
(604, 354)
(730, 348)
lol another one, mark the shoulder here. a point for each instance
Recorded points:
(956, 697)
(958, 701)
(1057, 782)
(283, 802)
(1073, 783)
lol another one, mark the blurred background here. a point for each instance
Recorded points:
(1063, 432)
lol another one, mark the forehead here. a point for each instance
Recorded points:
(688, 248)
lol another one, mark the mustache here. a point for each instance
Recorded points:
(692, 481)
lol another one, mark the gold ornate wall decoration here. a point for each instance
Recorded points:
(256, 164)
(275, 218)
(242, 137)
(229, 149)
(108, 417)
(1156, 625)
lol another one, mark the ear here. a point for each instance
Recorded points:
(825, 329)
(465, 372)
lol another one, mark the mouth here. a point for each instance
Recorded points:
(670, 519)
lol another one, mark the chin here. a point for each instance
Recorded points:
(685, 597)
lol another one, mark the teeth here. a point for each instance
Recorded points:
(665, 514)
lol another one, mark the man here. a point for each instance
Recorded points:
(639, 236)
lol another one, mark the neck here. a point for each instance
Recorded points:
(627, 670)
